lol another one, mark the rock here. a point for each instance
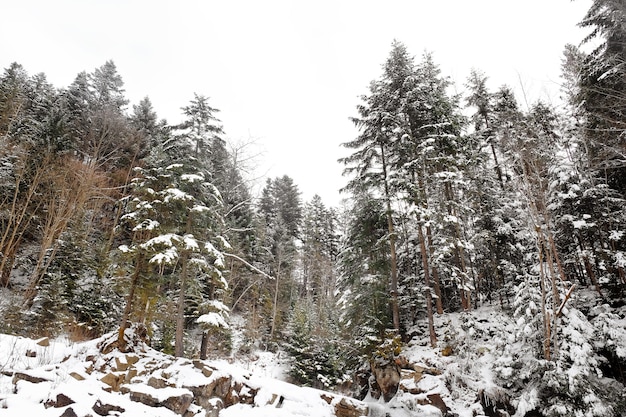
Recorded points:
(349, 408)
(31, 354)
(69, 412)
(246, 394)
(130, 375)
(203, 394)
(129, 361)
(178, 403)
(158, 383)
(121, 366)
(222, 387)
(105, 409)
(44, 341)
(77, 376)
(206, 371)
(132, 359)
(213, 407)
(346, 407)
(22, 376)
(409, 382)
(89, 369)
(62, 400)
(436, 401)
(114, 381)
(144, 398)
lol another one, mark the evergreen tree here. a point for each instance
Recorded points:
(281, 211)
(363, 270)
(601, 94)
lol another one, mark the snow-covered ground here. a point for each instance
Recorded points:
(33, 373)
(481, 360)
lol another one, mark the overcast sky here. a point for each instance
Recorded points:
(287, 74)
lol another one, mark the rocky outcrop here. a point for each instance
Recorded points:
(186, 387)
(346, 407)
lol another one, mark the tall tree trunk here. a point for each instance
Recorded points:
(179, 349)
(275, 306)
(121, 342)
(427, 293)
(544, 310)
(436, 281)
(395, 308)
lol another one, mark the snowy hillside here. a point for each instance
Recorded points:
(479, 368)
(57, 378)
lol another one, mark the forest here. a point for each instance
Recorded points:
(111, 217)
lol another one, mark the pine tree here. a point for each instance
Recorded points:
(364, 265)
(602, 87)
(281, 212)
(369, 164)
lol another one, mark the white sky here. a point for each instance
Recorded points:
(287, 73)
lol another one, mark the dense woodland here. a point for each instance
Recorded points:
(111, 216)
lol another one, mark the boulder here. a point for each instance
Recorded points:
(159, 383)
(44, 341)
(178, 402)
(23, 376)
(348, 408)
(61, 401)
(130, 375)
(69, 412)
(77, 376)
(436, 401)
(114, 381)
(103, 409)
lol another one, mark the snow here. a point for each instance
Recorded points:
(167, 239)
(167, 257)
(213, 319)
(174, 194)
(200, 209)
(147, 224)
(190, 242)
(61, 358)
(486, 353)
(192, 177)
(161, 394)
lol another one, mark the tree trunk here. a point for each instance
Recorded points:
(179, 349)
(121, 342)
(395, 308)
(588, 268)
(204, 345)
(428, 295)
(436, 282)
(544, 309)
(275, 306)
